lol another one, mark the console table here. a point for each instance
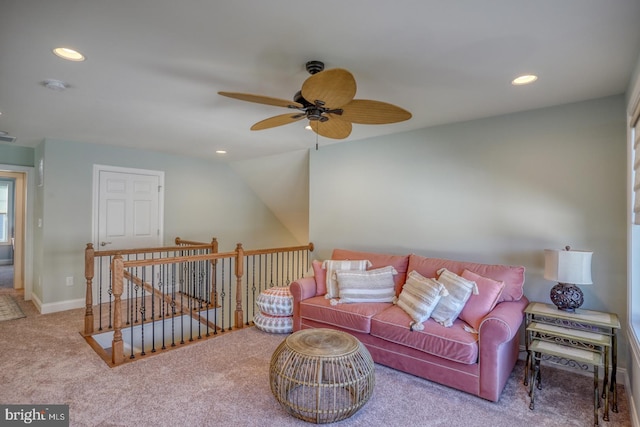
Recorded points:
(581, 339)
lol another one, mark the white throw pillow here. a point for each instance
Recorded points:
(459, 290)
(419, 297)
(334, 265)
(366, 286)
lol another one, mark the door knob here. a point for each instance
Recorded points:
(105, 243)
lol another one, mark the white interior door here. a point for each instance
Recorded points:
(128, 210)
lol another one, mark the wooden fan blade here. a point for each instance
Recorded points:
(367, 112)
(261, 99)
(334, 87)
(283, 119)
(333, 128)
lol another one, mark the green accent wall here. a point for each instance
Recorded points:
(16, 155)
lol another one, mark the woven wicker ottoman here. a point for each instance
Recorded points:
(321, 375)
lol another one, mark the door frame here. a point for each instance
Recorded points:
(24, 232)
(96, 198)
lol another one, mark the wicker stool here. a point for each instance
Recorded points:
(321, 375)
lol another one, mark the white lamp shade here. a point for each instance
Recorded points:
(568, 266)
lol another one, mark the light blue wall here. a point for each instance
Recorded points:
(498, 190)
(16, 155)
(203, 199)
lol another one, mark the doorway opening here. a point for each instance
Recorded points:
(12, 229)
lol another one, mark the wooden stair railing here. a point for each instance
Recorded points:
(91, 256)
(121, 271)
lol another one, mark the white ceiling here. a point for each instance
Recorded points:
(154, 67)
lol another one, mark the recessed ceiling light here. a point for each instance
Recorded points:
(524, 80)
(221, 151)
(68, 54)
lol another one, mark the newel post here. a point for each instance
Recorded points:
(117, 276)
(88, 274)
(239, 274)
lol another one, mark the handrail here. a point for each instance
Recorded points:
(127, 265)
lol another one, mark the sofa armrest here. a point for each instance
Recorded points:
(503, 322)
(301, 290)
(499, 343)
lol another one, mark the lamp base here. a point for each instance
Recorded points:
(566, 297)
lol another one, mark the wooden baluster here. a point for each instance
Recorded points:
(239, 273)
(89, 260)
(214, 292)
(117, 346)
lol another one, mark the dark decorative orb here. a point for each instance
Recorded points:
(566, 297)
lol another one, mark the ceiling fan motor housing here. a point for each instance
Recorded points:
(314, 67)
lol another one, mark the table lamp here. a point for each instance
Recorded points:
(569, 268)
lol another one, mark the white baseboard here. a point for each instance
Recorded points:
(54, 307)
(633, 411)
(634, 362)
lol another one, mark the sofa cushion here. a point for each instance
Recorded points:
(353, 317)
(512, 276)
(331, 266)
(453, 343)
(419, 297)
(478, 306)
(399, 262)
(366, 286)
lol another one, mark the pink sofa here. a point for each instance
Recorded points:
(477, 363)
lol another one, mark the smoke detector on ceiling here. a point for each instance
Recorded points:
(57, 85)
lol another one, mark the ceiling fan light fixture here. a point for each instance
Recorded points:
(68, 54)
(524, 79)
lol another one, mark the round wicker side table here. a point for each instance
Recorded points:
(321, 375)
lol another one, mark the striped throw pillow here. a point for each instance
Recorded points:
(459, 290)
(366, 286)
(419, 297)
(334, 265)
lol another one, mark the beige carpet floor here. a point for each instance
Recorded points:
(225, 382)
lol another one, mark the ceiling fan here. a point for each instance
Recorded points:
(326, 100)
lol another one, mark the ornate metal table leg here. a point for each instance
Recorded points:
(605, 389)
(596, 394)
(614, 368)
(527, 339)
(535, 371)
